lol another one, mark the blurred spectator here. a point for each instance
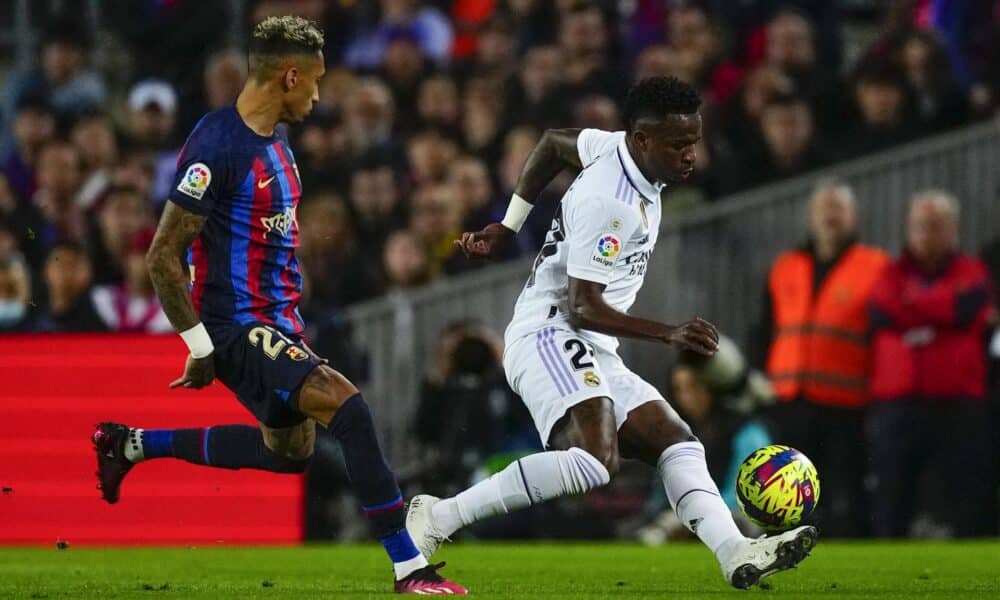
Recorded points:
(94, 138)
(152, 106)
(469, 423)
(33, 126)
(474, 192)
(884, 110)
(369, 115)
(940, 101)
(337, 271)
(717, 398)
(814, 325)
(68, 278)
(426, 25)
(482, 117)
(430, 154)
(60, 175)
(225, 73)
(403, 68)
(376, 203)
(527, 91)
(406, 261)
(597, 112)
(124, 214)
(437, 103)
(695, 42)
(15, 295)
(740, 116)
(790, 147)
(62, 78)
(930, 312)
(436, 217)
(132, 306)
(791, 49)
(494, 47)
(322, 151)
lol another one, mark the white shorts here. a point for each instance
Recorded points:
(555, 369)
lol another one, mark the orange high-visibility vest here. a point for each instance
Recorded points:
(820, 348)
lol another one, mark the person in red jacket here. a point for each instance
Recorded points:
(927, 421)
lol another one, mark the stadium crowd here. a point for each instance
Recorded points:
(426, 115)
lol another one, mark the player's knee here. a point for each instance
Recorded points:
(323, 393)
(283, 464)
(606, 454)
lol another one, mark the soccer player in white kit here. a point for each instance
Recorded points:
(561, 345)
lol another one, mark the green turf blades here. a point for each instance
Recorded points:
(591, 571)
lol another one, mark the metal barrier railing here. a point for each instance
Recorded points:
(711, 263)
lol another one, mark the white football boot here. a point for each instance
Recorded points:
(420, 525)
(754, 560)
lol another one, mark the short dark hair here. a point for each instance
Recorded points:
(880, 72)
(787, 100)
(275, 37)
(657, 97)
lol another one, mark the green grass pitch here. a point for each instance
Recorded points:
(576, 571)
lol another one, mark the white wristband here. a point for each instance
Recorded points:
(517, 213)
(198, 341)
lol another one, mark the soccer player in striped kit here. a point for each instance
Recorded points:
(233, 205)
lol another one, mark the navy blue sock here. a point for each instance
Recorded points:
(374, 482)
(223, 446)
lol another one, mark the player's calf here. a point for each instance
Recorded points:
(119, 448)
(587, 459)
(333, 401)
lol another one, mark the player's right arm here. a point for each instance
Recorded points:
(201, 181)
(588, 310)
(557, 150)
(597, 230)
(176, 232)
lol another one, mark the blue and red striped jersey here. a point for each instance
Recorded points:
(243, 264)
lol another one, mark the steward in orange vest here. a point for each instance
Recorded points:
(819, 348)
(813, 342)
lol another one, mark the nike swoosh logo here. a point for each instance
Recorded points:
(266, 182)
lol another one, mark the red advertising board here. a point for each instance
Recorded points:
(54, 388)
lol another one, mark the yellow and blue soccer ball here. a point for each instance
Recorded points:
(777, 487)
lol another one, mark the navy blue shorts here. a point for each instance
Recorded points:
(265, 369)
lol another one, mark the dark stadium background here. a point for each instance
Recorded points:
(427, 112)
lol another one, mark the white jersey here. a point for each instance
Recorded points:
(603, 231)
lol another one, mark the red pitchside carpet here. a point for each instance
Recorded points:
(54, 388)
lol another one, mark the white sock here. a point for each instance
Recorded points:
(133, 446)
(696, 499)
(402, 569)
(528, 481)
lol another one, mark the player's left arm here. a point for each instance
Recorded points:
(588, 310)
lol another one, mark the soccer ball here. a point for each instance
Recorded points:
(777, 487)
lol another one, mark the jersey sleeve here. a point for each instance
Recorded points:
(202, 177)
(592, 143)
(596, 232)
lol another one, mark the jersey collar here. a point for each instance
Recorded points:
(649, 191)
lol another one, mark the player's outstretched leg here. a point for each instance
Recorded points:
(334, 402)
(119, 448)
(655, 434)
(587, 457)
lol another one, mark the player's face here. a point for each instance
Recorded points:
(302, 83)
(666, 147)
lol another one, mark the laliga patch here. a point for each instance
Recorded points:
(608, 247)
(195, 181)
(296, 353)
(590, 378)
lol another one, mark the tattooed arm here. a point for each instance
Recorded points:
(178, 228)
